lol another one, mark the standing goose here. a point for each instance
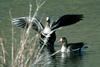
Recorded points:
(47, 32)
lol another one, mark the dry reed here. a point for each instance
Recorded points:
(28, 52)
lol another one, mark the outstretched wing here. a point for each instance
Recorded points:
(67, 20)
(23, 22)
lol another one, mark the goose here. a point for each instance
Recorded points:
(71, 47)
(47, 32)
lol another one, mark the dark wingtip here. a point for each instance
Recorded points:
(68, 19)
(76, 17)
(81, 16)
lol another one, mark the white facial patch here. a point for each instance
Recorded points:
(60, 40)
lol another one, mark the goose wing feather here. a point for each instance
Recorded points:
(23, 22)
(67, 20)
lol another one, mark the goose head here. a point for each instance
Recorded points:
(63, 41)
(65, 49)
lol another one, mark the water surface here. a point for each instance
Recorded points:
(87, 30)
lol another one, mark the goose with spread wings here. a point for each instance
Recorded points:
(47, 32)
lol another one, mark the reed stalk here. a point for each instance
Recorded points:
(28, 53)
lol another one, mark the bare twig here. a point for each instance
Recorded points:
(12, 49)
(3, 51)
